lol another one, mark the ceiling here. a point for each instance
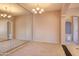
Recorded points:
(19, 9)
(73, 9)
(74, 5)
(46, 6)
(12, 8)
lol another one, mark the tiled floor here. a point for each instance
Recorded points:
(74, 49)
(10, 44)
(39, 49)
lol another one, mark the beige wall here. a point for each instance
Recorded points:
(3, 29)
(46, 27)
(23, 27)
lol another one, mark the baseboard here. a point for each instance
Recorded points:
(43, 42)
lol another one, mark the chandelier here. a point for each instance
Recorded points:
(38, 10)
(5, 14)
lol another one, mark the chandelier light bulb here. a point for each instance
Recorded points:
(37, 8)
(9, 16)
(1, 14)
(33, 9)
(42, 10)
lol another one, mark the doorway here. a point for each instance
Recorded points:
(9, 30)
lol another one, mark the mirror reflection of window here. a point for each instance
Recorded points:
(75, 30)
(68, 32)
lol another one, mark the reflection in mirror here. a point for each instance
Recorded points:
(75, 30)
(15, 33)
(68, 32)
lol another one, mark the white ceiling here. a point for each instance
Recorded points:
(74, 5)
(22, 8)
(46, 6)
(19, 9)
(12, 8)
(73, 9)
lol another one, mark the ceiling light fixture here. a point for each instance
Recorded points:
(5, 15)
(9, 16)
(40, 12)
(37, 10)
(33, 9)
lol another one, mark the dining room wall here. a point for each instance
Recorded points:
(46, 27)
(23, 27)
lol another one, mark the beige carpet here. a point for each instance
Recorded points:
(39, 49)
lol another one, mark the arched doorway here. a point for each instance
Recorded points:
(9, 30)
